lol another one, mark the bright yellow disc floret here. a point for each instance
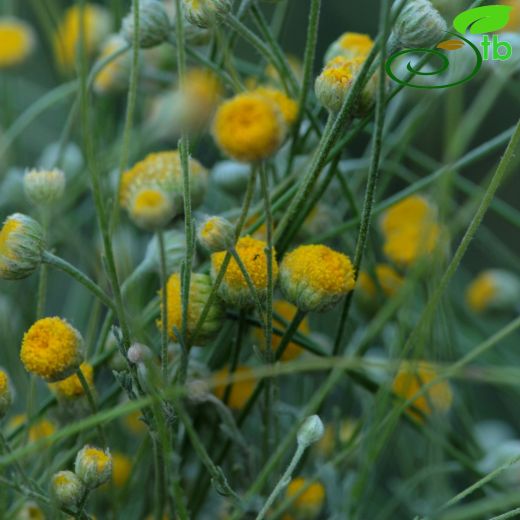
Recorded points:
(234, 288)
(315, 277)
(408, 382)
(98, 457)
(287, 106)
(357, 43)
(52, 349)
(71, 387)
(9, 227)
(16, 41)
(249, 127)
(308, 501)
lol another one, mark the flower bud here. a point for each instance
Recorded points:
(139, 353)
(216, 234)
(419, 25)
(67, 488)
(6, 397)
(494, 289)
(30, 511)
(204, 13)
(200, 289)
(315, 278)
(154, 24)
(310, 431)
(93, 466)
(44, 187)
(21, 247)
(350, 45)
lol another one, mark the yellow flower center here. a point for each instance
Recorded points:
(481, 292)
(98, 457)
(359, 44)
(4, 382)
(342, 71)
(312, 497)
(9, 227)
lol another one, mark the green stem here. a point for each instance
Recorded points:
(283, 482)
(92, 404)
(83, 279)
(164, 300)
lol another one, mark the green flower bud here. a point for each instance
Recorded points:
(154, 24)
(21, 247)
(310, 431)
(216, 234)
(419, 25)
(93, 466)
(67, 488)
(204, 13)
(44, 187)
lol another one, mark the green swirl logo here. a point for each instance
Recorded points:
(475, 21)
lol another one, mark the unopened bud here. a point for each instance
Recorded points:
(310, 431)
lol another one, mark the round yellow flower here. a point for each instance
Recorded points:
(121, 469)
(234, 289)
(350, 45)
(17, 41)
(249, 127)
(96, 26)
(481, 291)
(151, 208)
(203, 90)
(410, 230)
(287, 106)
(388, 279)
(216, 234)
(52, 349)
(41, 429)
(241, 390)
(308, 503)
(315, 278)
(93, 466)
(71, 387)
(67, 488)
(409, 380)
(162, 171)
(200, 289)
(493, 289)
(287, 311)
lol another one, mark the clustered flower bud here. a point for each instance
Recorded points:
(67, 488)
(204, 13)
(93, 466)
(154, 24)
(44, 187)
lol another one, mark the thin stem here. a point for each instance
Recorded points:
(92, 403)
(83, 279)
(235, 355)
(283, 482)
(164, 301)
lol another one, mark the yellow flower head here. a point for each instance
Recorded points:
(307, 504)
(17, 41)
(71, 387)
(52, 349)
(21, 247)
(315, 278)
(494, 289)
(121, 469)
(350, 45)
(241, 390)
(151, 208)
(96, 22)
(409, 380)
(112, 76)
(287, 106)
(93, 466)
(39, 430)
(5, 393)
(249, 127)
(203, 91)
(200, 289)
(216, 234)
(410, 230)
(287, 311)
(162, 171)
(388, 279)
(67, 488)
(234, 289)
(295, 65)
(133, 422)
(336, 80)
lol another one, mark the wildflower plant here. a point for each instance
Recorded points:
(244, 273)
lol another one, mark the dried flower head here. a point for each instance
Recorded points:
(52, 349)
(249, 127)
(315, 278)
(234, 289)
(17, 39)
(21, 247)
